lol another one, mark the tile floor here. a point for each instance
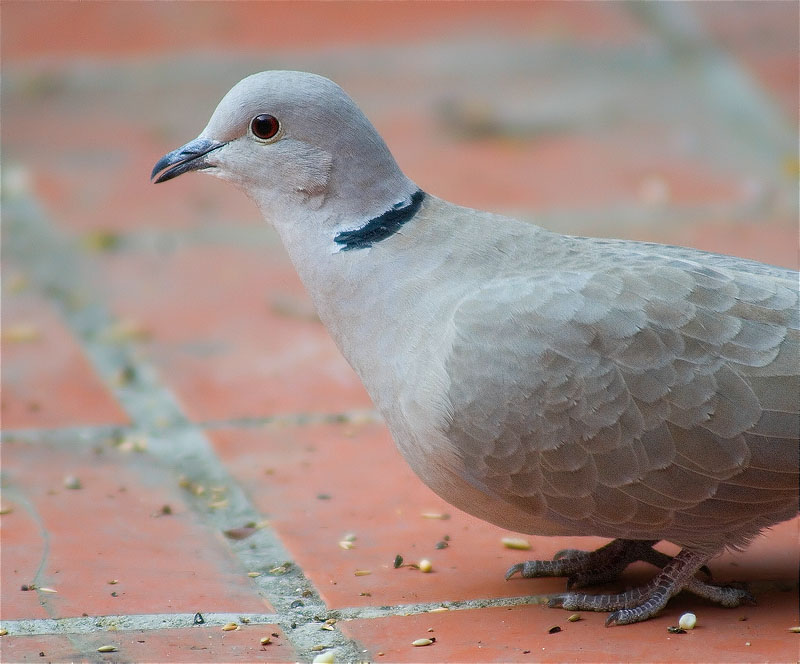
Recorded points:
(180, 435)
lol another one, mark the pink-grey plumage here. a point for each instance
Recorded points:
(553, 385)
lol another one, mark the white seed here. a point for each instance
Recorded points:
(425, 565)
(516, 543)
(435, 515)
(47, 590)
(687, 621)
(349, 537)
(347, 545)
(422, 642)
(230, 627)
(265, 640)
(575, 617)
(796, 630)
(324, 658)
(362, 572)
(329, 628)
(3, 632)
(72, 482)
(439, 609)
(253, 575)
(107, 649)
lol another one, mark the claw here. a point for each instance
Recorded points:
(513, 570)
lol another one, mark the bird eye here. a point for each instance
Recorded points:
(264, 126)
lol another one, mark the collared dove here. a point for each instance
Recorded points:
(549, 384)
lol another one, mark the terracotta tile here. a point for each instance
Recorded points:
(32, 30)
(47, 379)
(233, 332)
(521, 634)
(44, 648)
(318, 483)
(193, 644)
(110, 529)
(22, 535)
(110, 189)
(762, 38)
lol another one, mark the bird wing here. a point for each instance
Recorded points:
(657, 395)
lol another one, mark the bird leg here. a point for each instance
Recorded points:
(587, 568)
(640, 603)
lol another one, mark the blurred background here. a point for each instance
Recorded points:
(156, 341)
(670, 122)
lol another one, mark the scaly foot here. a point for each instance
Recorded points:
(638, 604)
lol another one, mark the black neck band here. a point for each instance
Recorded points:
(381, 227)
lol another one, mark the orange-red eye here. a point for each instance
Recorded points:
(264, 126)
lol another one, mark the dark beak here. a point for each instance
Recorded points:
(190, 157)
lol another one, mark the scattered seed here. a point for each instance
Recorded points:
(742, 618)
(329, 628)
(324, 496)
(554, 629)
(125, 376)
(439, 609)
(48, 590)
(6, 510)
(347, 545)
(244, 619)
(687, 621)
(218, 504)
(72, 482)
(575, 617)
(126, 330)
(265, 640)
(253, 575)
(3, 632)
(100, 240)
(198, 618)
(430, 629)
(398, 561)
(107, 649)
(442, 544)
(365, 594)
(21, 333)
(324, 658)
(113, 582)
(349, 537)
(673, 629)
(436, 515)
(231, 626)
(317, 648)
(281, 569)
(422, 642)
(239, 533)
(516, 543)
(747, 643)
(296, 603)
(133, 443)
(115, 594)
(425, 565)
(362, 572)
(796, 630)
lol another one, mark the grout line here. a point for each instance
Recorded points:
(92, 434)
(144, 622)
(54, 266)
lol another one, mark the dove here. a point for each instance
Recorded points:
(549, 384)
